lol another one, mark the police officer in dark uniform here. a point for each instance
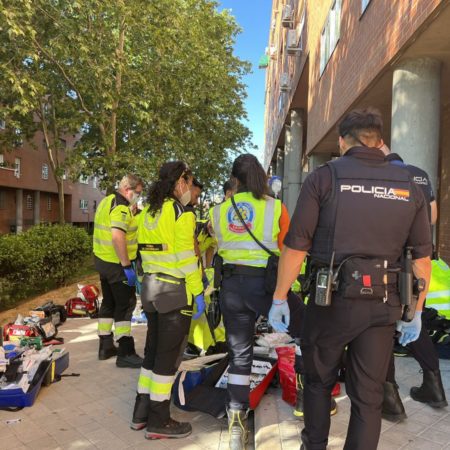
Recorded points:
(362, 211)
(423, 350)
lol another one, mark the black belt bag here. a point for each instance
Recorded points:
(163, 293)
(366, 278)
(271, 272)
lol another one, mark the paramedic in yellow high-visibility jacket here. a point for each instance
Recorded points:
(172, 282)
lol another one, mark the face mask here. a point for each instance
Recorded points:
(185, 198)
(134, 198)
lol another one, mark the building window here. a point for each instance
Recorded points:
(29, 202)
(49, 203)
(2, 124)
(2, 200)
(83, 204)
(364, 4)
(84, 179)
(330, 34)
(2, 160)
(94, 206)
(64, 174)
(17, 167)
(95, 182)
(45, 171)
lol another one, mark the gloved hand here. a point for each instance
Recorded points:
(205, 281)
(131, 275)
(279, 309)
(201, 306)
(410, 330)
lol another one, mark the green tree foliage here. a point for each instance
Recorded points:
(144, 80)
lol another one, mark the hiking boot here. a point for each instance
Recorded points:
(237, 428)
(170, 430)
(431, 392)
(126, 354)
(140, 413)
(392, 409)
(106, 348)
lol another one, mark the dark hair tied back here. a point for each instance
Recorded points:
(161, 189)
(250, 173)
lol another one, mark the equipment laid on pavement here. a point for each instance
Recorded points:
(56, 313)
(85, 303)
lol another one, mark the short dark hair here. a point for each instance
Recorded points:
(228, 186)
(360, 120)
(197, 183)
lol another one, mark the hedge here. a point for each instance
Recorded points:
(42, 257)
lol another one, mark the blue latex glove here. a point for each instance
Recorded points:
(201, 306)
(410, 330)
(279, 309)
(131, 275)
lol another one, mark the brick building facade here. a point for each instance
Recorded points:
(28, 191)
(329, 57)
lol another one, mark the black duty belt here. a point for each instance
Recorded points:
(237, 269)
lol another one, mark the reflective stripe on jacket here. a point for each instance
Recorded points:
(235, 244)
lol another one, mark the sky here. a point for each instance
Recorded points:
(253, 16)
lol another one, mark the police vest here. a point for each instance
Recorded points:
(109, 215)
(166, 244)
(368, 212)
(235, 244)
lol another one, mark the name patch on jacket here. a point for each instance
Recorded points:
(153, 247)
(235, 224)
(377, 191)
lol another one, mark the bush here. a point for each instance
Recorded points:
(42, 257)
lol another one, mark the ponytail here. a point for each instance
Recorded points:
(163, 188)
(250, 173)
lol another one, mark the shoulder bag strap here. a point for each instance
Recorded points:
(270, 252)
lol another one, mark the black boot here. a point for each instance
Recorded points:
(393, 409)
(141, 411)
(126, 354)
(161, 426)
(431, 392)
(106, 348)
(298, 410)
(237, 428)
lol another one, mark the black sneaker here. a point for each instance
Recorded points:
(133, 361)
(171, 430)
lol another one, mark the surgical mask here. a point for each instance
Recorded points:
(186, 197)
(134, 198)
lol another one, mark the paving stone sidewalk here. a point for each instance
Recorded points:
(426, 428)
(93, 411)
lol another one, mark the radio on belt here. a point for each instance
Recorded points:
(324, 284)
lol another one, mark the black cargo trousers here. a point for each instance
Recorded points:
(366, 328)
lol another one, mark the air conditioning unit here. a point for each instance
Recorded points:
(287, 18)
(285, 84)
(293, 45)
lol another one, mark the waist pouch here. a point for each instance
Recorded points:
(364, 278)
(163, 293)
(271, 274)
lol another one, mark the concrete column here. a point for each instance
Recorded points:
(416, 113)
(19, 211)
(294, 157)
(317, 159)
(37, 207)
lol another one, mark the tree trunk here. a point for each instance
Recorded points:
(60, 184)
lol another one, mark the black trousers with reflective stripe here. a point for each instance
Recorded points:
(366, 328)
(119, 301)
(242, 299)
(166, 339)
